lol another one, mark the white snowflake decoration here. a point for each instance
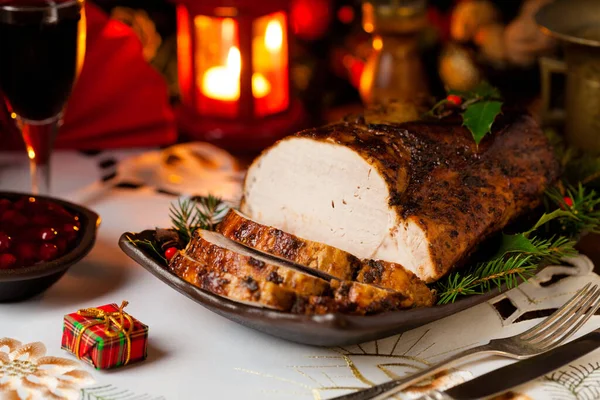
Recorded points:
(27, 373)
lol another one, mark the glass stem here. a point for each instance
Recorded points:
(39, 139)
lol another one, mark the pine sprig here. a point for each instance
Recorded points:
(518, 259)
(553, 249)
(581, 207)
(151, 246)
(185, 218)
(211, 210)
(486, 275)
(198, 213)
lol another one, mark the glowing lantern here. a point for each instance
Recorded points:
(310, 18)
(234, 76)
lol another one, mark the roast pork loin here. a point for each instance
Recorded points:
(241, 289)
(420, 194)
(211, 261)
(322, 257)
(216, 251)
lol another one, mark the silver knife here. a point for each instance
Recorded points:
(506, 378)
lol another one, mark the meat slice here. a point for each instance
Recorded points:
(211, 248)
(347, 296)
(419, 194)
(320, 256)
(211, 253)
(241, 289)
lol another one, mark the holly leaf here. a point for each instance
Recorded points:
(547, 217)
(518, 243)
(479, 117)
(483, 91)
(486, 91)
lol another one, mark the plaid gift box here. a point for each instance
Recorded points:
(105, 337)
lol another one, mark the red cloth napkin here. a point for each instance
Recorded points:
(119, 100)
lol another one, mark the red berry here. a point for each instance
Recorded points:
(27, 252)
(7, 260)
(61, 244)
(13, 217)
(48, 251)
(47, 233)
(170, 252)
(56, 209)
(4, 242)
(21, 203)
(41, 220)
(5, 204)
(8, 215)
(568, 201)
(454, 99)
(70, 228)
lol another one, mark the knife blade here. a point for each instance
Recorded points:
(506, 378)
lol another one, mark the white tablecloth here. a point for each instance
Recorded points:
(195, 354)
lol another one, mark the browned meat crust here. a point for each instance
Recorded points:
(242, 289)
(217, 267)
(226, 260)
(458, 193)
(395, 277)
(323, 257)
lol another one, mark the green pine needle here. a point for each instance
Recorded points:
(150, 245)
(485, 276)
(211, 210)
(582, 215)
(553, 249)
(520, 262)
(185, 218)
(203, 213)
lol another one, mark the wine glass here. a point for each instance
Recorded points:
(41, 50)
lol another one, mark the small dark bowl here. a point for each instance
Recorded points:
(319, 330)
(22, 283)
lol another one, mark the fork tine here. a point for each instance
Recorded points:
(566, 320)
(565, 308)
(555, 340)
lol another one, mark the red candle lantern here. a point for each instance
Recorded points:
(234, 72)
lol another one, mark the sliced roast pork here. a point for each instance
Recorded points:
(212, 255)
(420, 194)
(241, 289)
(323, 257)
(215, 250)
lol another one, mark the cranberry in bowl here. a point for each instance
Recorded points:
(40, 238)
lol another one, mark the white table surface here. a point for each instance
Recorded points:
(195, 354)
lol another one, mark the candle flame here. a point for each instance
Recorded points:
(223, 82)
(274, 36)
(234, 60)
(260, 86)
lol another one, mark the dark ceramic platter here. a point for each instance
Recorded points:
(319, 330)
(22, 283)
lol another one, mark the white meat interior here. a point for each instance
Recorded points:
(328, 193)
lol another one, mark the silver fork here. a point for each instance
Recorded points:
(545, 336)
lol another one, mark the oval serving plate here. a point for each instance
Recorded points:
(319, 330)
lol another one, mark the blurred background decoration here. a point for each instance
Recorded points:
(328, 58)
(577, 26)
(395, 68)
(310, 19)
(234, 74)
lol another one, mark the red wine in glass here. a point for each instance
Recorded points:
(38, 65)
